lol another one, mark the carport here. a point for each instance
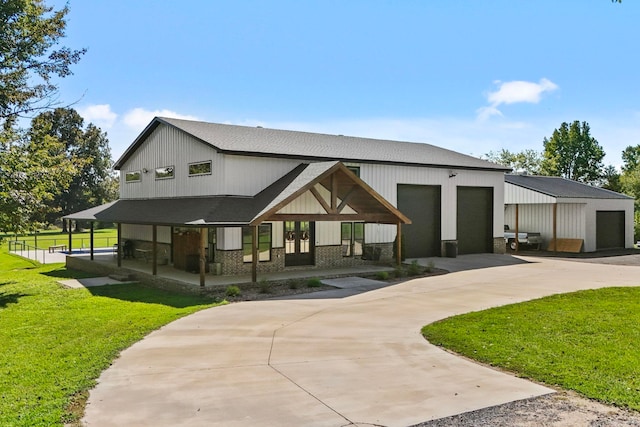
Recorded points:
(571, 216)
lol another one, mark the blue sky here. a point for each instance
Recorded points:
(471, 76)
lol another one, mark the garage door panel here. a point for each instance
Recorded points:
(609, 229)
(421, 203)
(474, 221)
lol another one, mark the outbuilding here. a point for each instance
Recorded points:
(562, 210)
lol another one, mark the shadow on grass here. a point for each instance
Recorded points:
(135, 292)
(10, 298)
(66, 273)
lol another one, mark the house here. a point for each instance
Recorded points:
(239, 199)
(556, 207)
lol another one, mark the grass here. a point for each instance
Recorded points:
(585, 341)
(103, 238)
(55, 342)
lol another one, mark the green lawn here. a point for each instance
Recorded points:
(102, 238)
(587, 341)
(55, 341)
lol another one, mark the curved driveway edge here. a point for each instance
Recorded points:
(358, 360)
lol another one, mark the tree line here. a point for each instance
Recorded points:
(56, 165)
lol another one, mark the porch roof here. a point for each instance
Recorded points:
(344, 189)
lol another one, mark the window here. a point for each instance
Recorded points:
(352, 238)
(165, 172)
(264, 243)
(200, 168)
(355, 170)
(133, 176)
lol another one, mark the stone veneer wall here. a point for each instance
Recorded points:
(233, 264)
(499, 245)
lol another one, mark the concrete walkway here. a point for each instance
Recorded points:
(352, 361)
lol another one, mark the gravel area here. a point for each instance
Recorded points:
(561, 409)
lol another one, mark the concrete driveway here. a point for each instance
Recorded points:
(358, 360)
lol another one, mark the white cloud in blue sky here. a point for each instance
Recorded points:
(514, 92)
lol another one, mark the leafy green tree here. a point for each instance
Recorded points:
(29, 32)
(87, 149)
(524, 161)
(573, 153)
(611, 179)
(30, 177)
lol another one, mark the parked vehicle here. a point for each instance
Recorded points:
(525, 238)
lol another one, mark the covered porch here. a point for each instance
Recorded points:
(325, 191)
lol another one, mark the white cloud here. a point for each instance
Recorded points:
(138, 118)
(100, 114)
(517, 91)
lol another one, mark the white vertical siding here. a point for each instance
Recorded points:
(145, 232)
(327, 233)
(167, 146)
(515, 194)
(247, 176)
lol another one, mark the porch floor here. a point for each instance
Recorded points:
(168, 271)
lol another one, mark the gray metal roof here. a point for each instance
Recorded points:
(556, 186)
(260, 141)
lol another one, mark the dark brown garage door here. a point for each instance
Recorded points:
(475, 220)
(421, 203)
(609, 229)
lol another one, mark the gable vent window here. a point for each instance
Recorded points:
(355, 170)
(133, 176)
(165, 172)
(200, 168)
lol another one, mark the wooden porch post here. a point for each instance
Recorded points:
(555, 227)
(254, 253)
(91, 240)
(203, 239)
(119, 242)
(70, 239)
(399, 243)
(154, 250)
(517, 228)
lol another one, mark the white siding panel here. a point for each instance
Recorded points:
(327, 233)
(515, 194)
(247, 176)
(145, 232)
(229, 238)
(167, 146)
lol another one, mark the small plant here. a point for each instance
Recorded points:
(265, 287)
(314, 282)
(382, 275)
(414, 269)
(293, 285)
(430, 266)
(399, 272)
(233, 291)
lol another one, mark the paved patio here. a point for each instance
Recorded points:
(357, 360)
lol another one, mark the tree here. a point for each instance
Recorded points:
(87, 149)
(611, 179)
(28, 61)
(525, 161)
(573, 153)
(30, 177)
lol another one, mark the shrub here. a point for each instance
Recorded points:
(233, 291)
(293, 285)
(414, 269)
(314, 282)
(430, 266)
(382, 275)
(399, 271)
(265, 287)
